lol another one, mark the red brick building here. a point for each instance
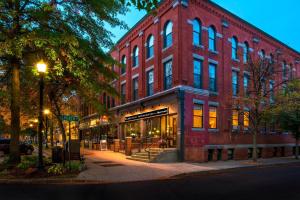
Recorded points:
(180, 68)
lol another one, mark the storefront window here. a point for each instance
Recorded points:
(133, 130)
(212, 117)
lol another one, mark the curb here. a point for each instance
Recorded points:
(72, 181)
(220, 171)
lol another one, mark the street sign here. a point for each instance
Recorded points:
(69, 118)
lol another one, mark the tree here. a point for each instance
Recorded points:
(45, 29)
(287, 111)
(263, 79)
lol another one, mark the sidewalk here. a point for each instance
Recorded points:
(107, 166)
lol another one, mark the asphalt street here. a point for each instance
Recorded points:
(280, 182)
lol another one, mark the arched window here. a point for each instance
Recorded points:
(135, 56)
(212, 38)
(246, 52)
(234, 48)
(150, 46)
(123, 62)
(196, 32)
(262, 54)
(168, 40)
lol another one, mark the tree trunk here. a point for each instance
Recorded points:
(254, 153)
(51, 132)
(14, 153)
(297, 148)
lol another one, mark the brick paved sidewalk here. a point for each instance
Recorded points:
(107, 166)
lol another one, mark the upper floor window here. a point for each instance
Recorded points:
(135, 56)
(150, 82)
(235, 83)
(196, 32)
(234, 48)
(123, 93)
(284, 69)
(197, 73)
(212, 77)
(272, 91)
(150, 46)
(246, 85)
(123, 62)
(212, 38)
(262, 54)
(135, 89)
(246, 52)
(168, 29)
(168, 75)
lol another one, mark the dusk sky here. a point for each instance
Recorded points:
(281, 20)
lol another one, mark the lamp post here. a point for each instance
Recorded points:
(46, 113)
(41, 67)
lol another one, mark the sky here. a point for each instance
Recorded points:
(281, 19)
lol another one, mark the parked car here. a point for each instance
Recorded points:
(24, 148)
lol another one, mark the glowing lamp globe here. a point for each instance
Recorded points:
(41, 67)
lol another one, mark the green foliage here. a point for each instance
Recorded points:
(76, 166)
(57, 169)
(27, 162)
(287, 109)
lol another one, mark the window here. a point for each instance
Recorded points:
(246, 52)
(291, 72)
(150, 82)
(198, 116)
(271, 91)
(246, 119)
(135, 89)
(135, 56)
(196, 32)
(168, 40)
(246, 85)
(212, 117)
(235, 83)
(212, 38)
(123, 62)
(271, 64)
(234, 48)
(168, 79)
(123, 93)
(230, 154)
(197, 73)
(235, 119)
(284, 69)
(262, 54)
(150, 46)
(212, 77)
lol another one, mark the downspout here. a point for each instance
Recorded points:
(181, 94)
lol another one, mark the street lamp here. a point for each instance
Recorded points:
(41, 68)
(46, 113)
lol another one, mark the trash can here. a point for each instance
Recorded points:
(57, 154)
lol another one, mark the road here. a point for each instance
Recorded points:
(280, 182)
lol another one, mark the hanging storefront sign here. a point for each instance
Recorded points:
(154, 113)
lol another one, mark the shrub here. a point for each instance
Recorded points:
(57, 169)
(76, 166)
(27, 162)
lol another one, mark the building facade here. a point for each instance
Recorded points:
(181, 69)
